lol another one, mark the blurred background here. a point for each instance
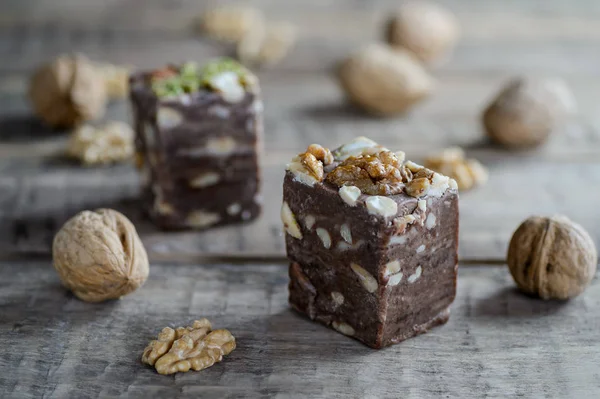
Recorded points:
(304, 104)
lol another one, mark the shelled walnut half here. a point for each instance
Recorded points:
(112, 142)
(194, 347)
(451, 162)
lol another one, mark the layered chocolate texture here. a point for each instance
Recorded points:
(372, 241)
(198, 137)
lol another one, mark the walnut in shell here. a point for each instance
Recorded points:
(384, 80)
(426, 29)
(266, 45)
(527, 110)
(68, 91)
(231, 23)
(195, 347)
(99, 255)
(552, 257)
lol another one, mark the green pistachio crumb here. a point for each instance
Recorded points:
(221, 65)
(190, 78)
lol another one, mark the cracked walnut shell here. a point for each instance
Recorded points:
(384, 80)
(195, 347)
(552, 257)
(99, 255)
(68, 91)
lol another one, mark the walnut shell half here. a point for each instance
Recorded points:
(552, 257)
(99, 255)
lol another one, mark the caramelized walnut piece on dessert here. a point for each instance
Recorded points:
(374, 174)
(308, 166)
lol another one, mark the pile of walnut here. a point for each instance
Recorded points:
(99, 255)
(451, 162)
(552, 257)
(259, 42)
(195, 347)
(112, 142)
(389, 79)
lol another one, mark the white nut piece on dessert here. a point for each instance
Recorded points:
(228, 84)
(366, 279)
(324, 236)
(359, 146)
(344, 328)
(234, 209)
(205, 180)
(346, 233)
(384, 80)
(350, 194)
(200, 219)
(430, 221)
(309, 221)
(392, 268)
(289, 221)
(168, 118)
(337, 298)
(415, 276)
(221, 145)
(395, 279)
(382, 206)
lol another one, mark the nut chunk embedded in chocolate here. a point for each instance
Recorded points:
(372, 241)
(198, 134)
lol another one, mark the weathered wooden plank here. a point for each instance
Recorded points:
(497, 343)
(526, 36)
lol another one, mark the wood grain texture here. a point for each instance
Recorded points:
(498, 342)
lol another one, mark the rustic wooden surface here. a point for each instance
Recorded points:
(39, 189)
(498, 342)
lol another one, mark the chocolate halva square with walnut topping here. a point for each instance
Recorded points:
(372, 241)
(198, 140)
